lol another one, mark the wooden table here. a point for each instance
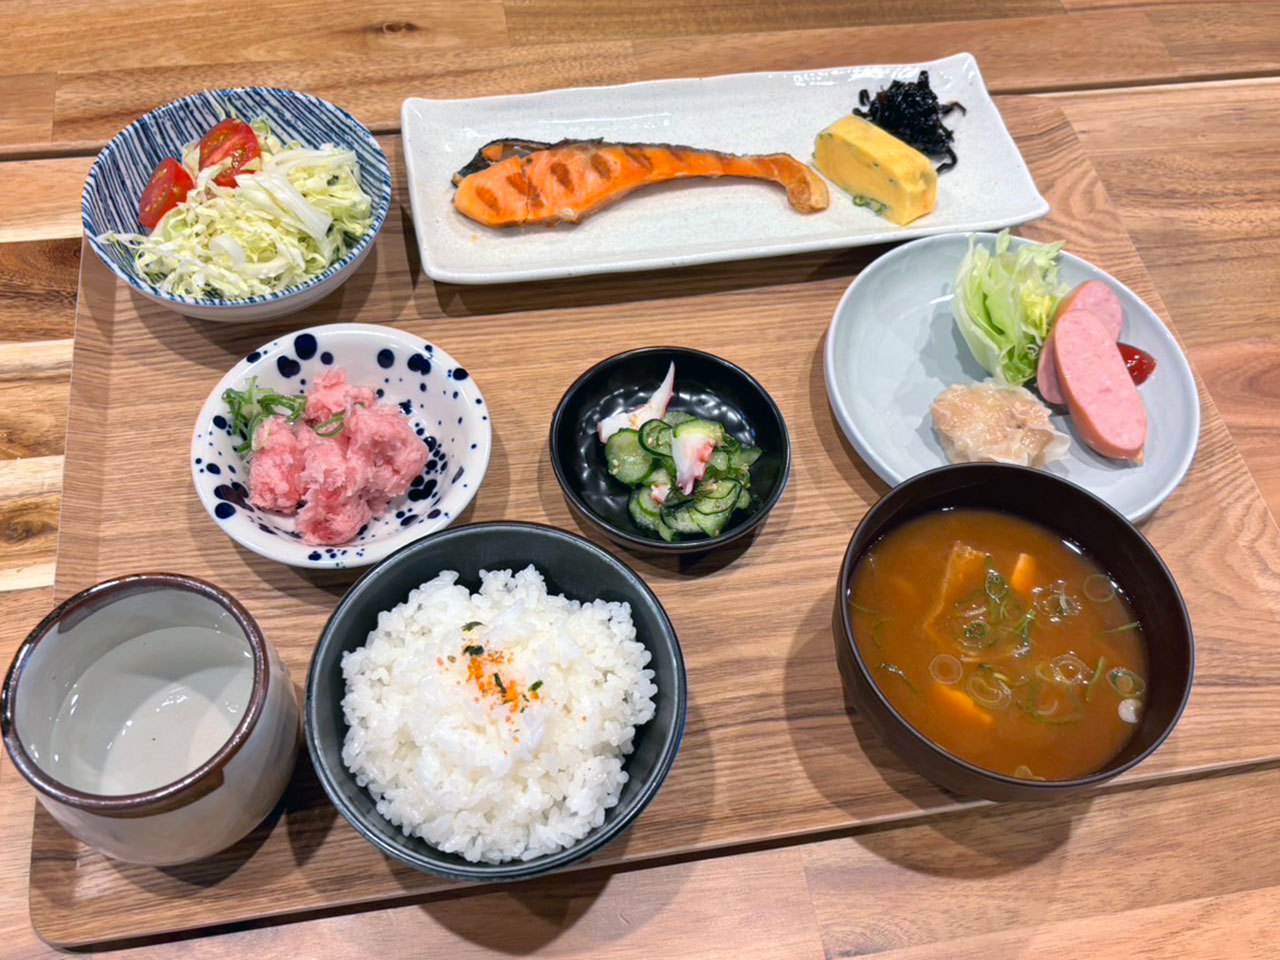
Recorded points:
(1175, 104)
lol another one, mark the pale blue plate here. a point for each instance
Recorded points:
(893, 346)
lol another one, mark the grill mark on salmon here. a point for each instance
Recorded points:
(601, 166)
(561, 173)
(638, 158)
(514, 182)
(487, 197)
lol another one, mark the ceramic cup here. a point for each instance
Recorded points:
(152, 718)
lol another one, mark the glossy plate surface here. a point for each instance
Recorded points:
(697, 221)
(893, 346)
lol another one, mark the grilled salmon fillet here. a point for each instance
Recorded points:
(513, 182)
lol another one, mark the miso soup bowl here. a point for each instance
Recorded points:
(162, 751)
(1076, 515)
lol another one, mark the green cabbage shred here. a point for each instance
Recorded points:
(300, 210)
(1004, 304)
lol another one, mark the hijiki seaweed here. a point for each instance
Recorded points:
(912, 113)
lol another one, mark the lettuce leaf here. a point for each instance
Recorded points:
(1004, 303)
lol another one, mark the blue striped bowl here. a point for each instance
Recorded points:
(119, 175)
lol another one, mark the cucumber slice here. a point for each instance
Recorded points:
(655, 436)
(680, 518)
(675, 417)
(731, 444)
(718, 465)
(744, 500)
(626, 459)
(745, 457)
(659, 474)
(708, 428)
(665, 532)
(712, 524)
(643, 509)
(720, 497)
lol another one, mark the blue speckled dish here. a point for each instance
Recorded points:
(444, 403)
(119, 175)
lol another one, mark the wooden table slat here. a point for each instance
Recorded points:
(1190, 171)
(769, 752)
(1034, 47)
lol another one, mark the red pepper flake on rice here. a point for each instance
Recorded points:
(483, 669)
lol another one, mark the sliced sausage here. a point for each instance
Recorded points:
(1105, 405)
(1047, 381)
(1100, 300)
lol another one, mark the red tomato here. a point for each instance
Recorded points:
(168, 187)
(233, 139)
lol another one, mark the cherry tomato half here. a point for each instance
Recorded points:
(233, 139)
(168, 187)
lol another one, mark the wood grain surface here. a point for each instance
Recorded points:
(1189, 168)
(771, 751)
(72, 95)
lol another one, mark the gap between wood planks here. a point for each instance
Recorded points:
(60, 173)
(90, 148)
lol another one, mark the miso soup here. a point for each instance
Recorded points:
(1001, 642)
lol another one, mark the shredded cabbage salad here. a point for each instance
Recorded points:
(298, 211)
(1004, 303)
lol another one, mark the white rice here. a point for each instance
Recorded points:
(459, 767)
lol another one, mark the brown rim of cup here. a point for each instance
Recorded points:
(193, 785)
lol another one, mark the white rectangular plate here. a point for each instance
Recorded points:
(699, 221)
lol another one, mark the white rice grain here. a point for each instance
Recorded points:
(444, 754)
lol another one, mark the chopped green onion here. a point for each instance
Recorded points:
(1031, 707)
(251, 407)
(533, 687)
(1099, 588)
(896, 670)
(947, 669)
(498, 680)
(1069, 668)
(333, 426)
(1097, 675)
(1131, 625)
(1024, 628)
(992, 694)
(471, 625)
(473, 651)
(995, 586)
(1126, 683)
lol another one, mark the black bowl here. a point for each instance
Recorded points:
(1076, 515)
(571, 566)
(705, 386)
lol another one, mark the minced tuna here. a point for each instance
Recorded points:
(340, 465)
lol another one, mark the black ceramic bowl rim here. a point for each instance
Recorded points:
(889, 504)
(628, 538)
(516, 869)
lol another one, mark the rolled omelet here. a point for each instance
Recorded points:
(892, 178)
